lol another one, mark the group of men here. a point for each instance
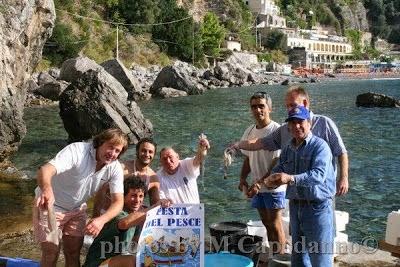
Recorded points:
(296, 160)
(307, 146)
(91, 169)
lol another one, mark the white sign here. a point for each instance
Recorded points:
(172, 236)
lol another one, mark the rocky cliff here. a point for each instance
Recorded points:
(24, 27)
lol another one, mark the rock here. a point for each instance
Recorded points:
(285, 82)
(54, 72)
(125, 77)
(31, 86)
(52, 90)
(25, 27)
(44, 78)
(207, 75)
(371, 99)
(173, 77)
(166, 92)
(72, 69)
(97, 101)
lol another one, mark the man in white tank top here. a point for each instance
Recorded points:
(269, 203)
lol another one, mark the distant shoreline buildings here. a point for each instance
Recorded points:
(311, 49)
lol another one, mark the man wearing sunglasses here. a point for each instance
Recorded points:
(268, 202)
(321, 126)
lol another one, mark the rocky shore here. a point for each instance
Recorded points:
(179, 79)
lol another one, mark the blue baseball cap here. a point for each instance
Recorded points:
(299, 112)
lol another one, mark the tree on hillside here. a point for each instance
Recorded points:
(179, 39)
(212, 34)
(275, 40)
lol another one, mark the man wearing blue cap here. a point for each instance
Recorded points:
(321, 126)
(306, 166)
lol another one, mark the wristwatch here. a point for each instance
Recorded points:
(292, 181)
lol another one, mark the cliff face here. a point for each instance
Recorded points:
(355, 17)
(24, 27)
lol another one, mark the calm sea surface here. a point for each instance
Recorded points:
(371, 137)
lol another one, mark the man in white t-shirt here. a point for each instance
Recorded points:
(178, 178)
(75, 174)
(269, 203)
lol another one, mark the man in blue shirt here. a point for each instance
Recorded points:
(321, 126)
(306, 166)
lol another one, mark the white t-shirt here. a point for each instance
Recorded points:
(76, 179)
(260, 161)
(180, 187)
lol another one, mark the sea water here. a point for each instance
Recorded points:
(371, 136)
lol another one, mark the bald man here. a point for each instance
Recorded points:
(178, 178)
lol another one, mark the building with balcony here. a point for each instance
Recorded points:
(321, 50)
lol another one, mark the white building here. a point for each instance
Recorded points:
(322, 51)
(267, 13)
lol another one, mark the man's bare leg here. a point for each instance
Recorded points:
(122, 261)
(272, 220)
(72, 250)
(50, 253)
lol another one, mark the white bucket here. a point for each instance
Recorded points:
(393, 228)
(342, 219)
(257, 228)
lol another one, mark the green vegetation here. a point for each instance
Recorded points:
(145, 35)
(275, 40)
(355, 38)
(212, 34)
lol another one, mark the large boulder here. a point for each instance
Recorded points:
(97, 101)
(73, 68)
(52, 90)
(44, 78)
(235, 74)
(371, 99)
(177, 78)
(24, 28)
(125, 77)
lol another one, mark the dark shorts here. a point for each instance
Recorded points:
(267, 200)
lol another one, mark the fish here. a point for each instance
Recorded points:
(228, 159)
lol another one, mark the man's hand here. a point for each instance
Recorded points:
(165, 203)
(253, 190)
(94, 226)
(342, 186)
(204, 145)
(243, 185)
(46, 198)
(277, 179)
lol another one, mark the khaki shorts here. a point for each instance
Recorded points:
(70, 223)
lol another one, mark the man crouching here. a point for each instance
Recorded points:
(114, 246)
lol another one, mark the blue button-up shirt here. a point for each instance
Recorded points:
(321, 126)
(311, 165)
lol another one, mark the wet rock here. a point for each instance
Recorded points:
(127, 80)
(97, 101)
(371, 99)
(72, 69)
